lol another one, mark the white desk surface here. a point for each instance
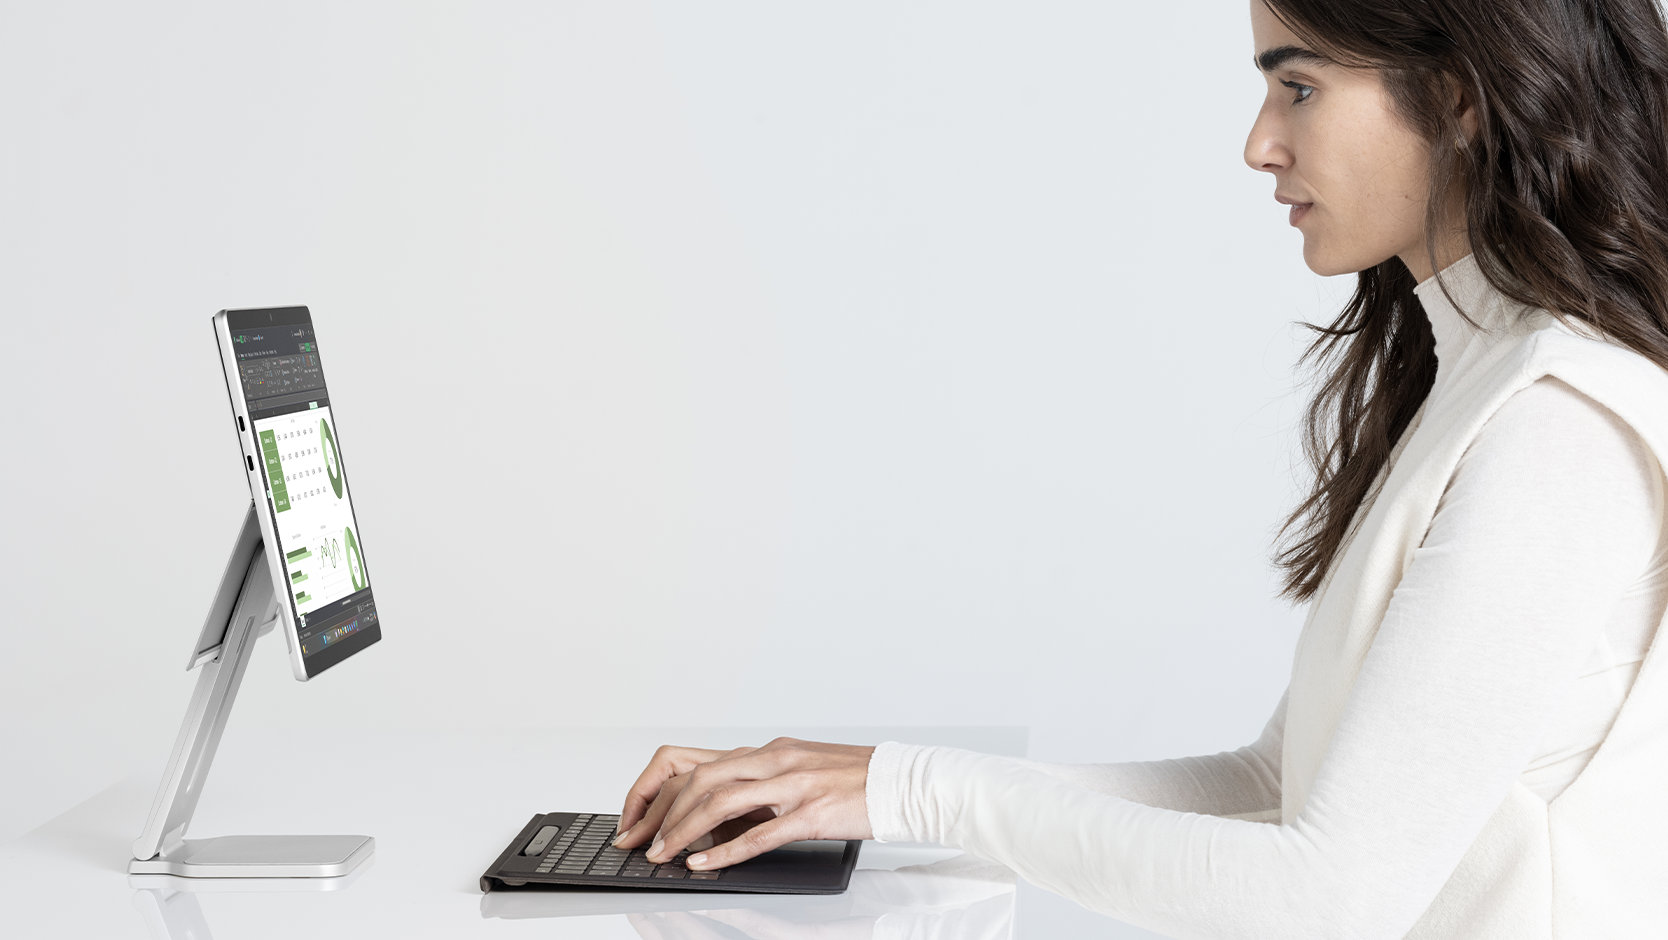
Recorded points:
(441, 806)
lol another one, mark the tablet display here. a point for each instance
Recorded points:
(293, 450)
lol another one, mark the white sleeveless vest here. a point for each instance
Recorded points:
(1592, 863)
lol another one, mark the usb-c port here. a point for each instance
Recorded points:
(240, 422)
(251, 462)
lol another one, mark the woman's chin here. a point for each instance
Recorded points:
(1316, 259)
(1329, 264)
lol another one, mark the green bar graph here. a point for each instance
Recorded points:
(297, 555)
(274, 472)
(302, 597)
(298, 577)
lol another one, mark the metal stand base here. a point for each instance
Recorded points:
(261, 857)
(244, 609)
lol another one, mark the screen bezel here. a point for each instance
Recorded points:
(227, 322)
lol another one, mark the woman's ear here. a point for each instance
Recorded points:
(1465, 115)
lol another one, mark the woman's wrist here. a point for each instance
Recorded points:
(886, 790)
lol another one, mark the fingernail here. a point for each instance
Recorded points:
(617, 837)
(655, 849)
(696, 861)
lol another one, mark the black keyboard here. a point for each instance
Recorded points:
(583, 848)
(575, 850)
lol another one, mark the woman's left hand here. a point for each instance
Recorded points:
(800, 789)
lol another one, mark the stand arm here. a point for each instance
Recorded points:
(246, 591)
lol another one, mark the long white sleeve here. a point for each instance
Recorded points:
(1240, 784)
(1551, 514)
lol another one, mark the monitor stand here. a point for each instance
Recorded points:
(244, 610)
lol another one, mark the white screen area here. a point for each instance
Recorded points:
(312, 506)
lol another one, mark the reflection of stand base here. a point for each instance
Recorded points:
(169, 904)
(260, 857)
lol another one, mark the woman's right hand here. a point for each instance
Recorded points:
(659, 784)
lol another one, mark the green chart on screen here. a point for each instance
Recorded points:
(313, 508)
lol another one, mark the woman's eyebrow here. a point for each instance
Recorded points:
(1271, 59)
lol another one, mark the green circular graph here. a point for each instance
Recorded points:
(332, 460)
(355, 561)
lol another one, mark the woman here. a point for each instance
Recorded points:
(1474, 742)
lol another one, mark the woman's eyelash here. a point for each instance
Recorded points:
(1302, 97)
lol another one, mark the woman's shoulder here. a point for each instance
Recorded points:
(1552, 413)
(1592, 367)
(1551, 436)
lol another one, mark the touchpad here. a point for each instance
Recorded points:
(541, 841)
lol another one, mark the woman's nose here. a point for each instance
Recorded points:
(1264, 149)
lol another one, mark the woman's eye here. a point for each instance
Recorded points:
(1303, 90)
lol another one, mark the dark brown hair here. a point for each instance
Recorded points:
(1565, 193)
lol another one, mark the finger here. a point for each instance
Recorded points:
(726, 831)
(695, 814)
(754, 842)
(668, 761)
(753, 766)
(654, 816)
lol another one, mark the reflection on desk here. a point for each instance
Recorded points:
(168, 904)
(957, 897)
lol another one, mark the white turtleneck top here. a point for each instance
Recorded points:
(1505, 653)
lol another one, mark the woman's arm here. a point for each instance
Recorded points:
(1240, 784)
(1551, 514)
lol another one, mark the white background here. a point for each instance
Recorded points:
(722, 363)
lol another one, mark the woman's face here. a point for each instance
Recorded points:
(1334, 142)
